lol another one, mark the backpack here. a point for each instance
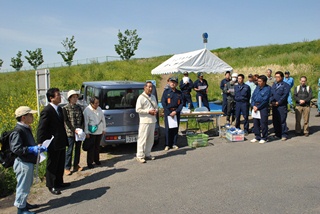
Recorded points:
(6, 155)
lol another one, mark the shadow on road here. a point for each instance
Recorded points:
(96, 176)
(74, 198)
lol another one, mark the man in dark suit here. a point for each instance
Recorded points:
(52, 124)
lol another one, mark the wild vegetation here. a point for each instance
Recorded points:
(18, 88)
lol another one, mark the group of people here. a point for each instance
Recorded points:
(259, 93)
(61, 125)
(262, 93)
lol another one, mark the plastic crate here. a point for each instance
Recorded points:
(234, 137)
(197, 140)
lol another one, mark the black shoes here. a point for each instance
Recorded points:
(98, 163)
(54, 191)
(24, 211)
(90, 166)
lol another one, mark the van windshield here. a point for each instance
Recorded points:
(120, 98)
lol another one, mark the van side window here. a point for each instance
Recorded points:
(92, 92)
(121, 98)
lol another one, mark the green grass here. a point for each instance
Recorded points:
(18, 88)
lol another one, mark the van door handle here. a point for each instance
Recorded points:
(109, 117)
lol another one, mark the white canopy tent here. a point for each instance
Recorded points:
(195, 61)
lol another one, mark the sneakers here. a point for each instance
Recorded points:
(141, 160)
(77, 168)
(175, 147)
(262, 141)
(150, 157)
(166, 148)
(283, 138)
(253, 140)
(67, 172)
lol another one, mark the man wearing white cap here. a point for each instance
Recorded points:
(23, 145)
(186, 86)
(73, 121)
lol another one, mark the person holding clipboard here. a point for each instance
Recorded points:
(260, 102)
(172, 105)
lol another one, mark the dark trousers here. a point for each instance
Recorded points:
(261, 125)
(279, 119)
(242, 107)
(93, 154)
(224, 103)
(231, 109)
(204, 98)
(171, 134)
(186, 99)
(55, 167)
(77, 148)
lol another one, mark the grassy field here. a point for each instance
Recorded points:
(18, 88)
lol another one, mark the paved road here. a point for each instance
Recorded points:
(277, 177)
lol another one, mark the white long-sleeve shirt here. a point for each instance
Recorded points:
(143, 106)
(93, 117)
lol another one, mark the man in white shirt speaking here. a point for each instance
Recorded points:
(147, 108)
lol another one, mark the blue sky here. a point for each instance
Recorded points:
(166, 27)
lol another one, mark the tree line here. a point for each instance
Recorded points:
(128, 44)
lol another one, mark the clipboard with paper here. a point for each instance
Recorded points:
(256, 114)
(172, 122)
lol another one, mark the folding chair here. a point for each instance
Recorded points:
(203, 118)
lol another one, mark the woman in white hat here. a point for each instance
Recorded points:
(73, 120)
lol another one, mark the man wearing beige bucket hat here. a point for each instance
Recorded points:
(23, 145)
(73, 122)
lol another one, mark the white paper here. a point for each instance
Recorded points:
(42, 157)
(80, 136)
(172, 122)
(202, 87)
(186, 79)
(46, 143)
(256, 114)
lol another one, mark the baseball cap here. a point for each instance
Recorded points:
(72, 92)
(23, 110)
(175, 79)
(185, 73)
(200, 74)
(234, 75)
(287, 72)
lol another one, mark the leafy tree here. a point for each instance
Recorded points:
(17, 63)
(67, 55)
(35, 58)
(1, 62)
(128, 44)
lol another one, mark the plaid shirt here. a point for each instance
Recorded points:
(73, 118)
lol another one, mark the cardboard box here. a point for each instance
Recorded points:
(234, 137)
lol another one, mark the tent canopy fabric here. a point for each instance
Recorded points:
(196, 61)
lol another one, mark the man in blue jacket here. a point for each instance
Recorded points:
(260, 103)
(279, 101)
(242, 98)
(290, 82)
(172, 105)
(223, 83)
